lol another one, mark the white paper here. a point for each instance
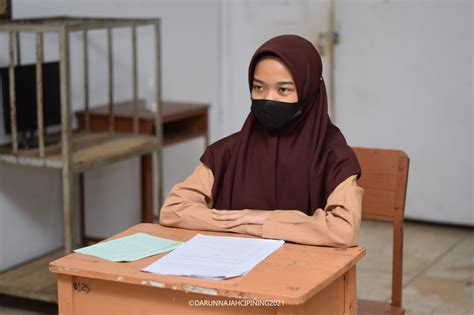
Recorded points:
(215, 257)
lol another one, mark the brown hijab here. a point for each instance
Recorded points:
(294, 168)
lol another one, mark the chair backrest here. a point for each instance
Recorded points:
(384, 179)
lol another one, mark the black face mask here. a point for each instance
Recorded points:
(273, 115)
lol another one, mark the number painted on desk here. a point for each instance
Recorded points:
(82, 287)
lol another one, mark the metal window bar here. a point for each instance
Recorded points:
(158, 126)
(39, 92)
(18, 48)
(66, 135)
(11, 79)
(135, 80)
(86, 80)
(111, 80)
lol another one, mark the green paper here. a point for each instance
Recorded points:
(130, 248)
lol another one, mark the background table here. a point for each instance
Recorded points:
(181, 121)
(306, 279)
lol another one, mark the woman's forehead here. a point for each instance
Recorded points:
(272, 68)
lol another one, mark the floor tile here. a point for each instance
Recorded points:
(439, 296)
(373, 285)
(457, 264)
(438, 267)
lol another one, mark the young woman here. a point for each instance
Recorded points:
(288, 173)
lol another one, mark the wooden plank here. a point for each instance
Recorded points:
(66, 294)
(171, 111)
(113, 150)
(30, 157)
(32, 28)
(350, 292)
(378, 181)
(378, 204)
(370, 307)
(397, 265)
(11, 78)
(387, 160)
(402, 183)
(39, 92)
(90, 149)
(32, 279)
(101, 297)
(122, 124)
(95, 296)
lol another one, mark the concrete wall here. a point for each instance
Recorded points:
(404, 73)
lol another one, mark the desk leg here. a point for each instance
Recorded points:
(146, 170)
(65, 294)
(350, 292)
(338, 298)
(82, 200)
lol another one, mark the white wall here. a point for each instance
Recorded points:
(404, 80)
(30, 214)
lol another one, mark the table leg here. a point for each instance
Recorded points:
(146, 170)
(82, 201)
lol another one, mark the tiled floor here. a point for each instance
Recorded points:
(438, 267)
(438, 271)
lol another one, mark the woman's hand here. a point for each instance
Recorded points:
(238, 217)
(255, 229)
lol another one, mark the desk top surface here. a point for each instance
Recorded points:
(294, 273)
(171, 110)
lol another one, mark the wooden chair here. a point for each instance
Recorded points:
(384, 179)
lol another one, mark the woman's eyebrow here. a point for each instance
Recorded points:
(286, 82)
(280, 83)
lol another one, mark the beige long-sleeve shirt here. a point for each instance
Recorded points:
(189, 205)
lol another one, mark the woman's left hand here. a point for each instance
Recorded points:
(238, 217)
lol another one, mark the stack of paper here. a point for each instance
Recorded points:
(215, 257)
(130, 248)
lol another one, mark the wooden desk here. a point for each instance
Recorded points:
(306, 279)
(181, 122)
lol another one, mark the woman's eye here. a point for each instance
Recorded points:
(257, 87)
(284, 90)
